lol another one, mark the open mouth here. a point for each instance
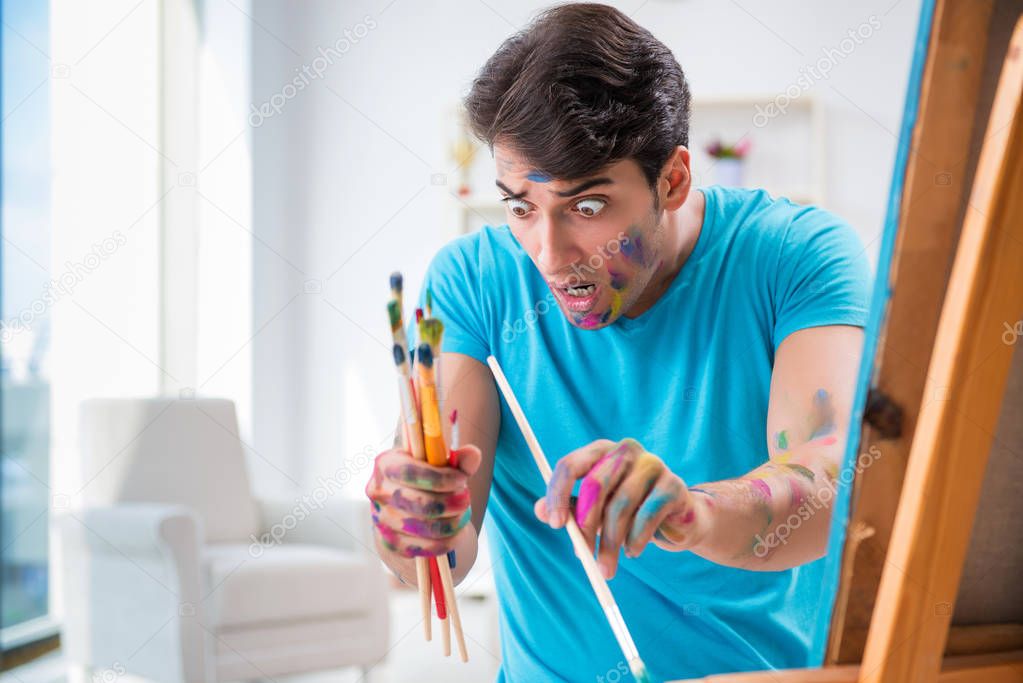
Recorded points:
(578, 298)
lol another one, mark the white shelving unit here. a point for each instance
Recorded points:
(788, 156)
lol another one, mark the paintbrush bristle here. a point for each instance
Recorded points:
(399, 354)
(419, 315)
(394, 313)
(430, 332)
(396, 282)
(429, 302)
(425, 356)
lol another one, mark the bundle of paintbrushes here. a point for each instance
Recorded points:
(424, 438)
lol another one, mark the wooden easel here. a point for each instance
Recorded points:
(939, 373)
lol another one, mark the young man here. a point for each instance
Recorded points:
(687, 355)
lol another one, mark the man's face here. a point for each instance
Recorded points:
(597, 240)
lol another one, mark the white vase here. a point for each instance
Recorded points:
(728, 172)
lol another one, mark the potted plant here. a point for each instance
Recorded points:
(728, 160)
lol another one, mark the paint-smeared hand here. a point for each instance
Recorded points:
(420, 510)
(629, 496)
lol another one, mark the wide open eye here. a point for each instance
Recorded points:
(590, 206)
(518, 207)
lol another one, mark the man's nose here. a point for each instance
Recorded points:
(557, 251)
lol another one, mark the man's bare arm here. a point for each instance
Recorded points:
(778, 515)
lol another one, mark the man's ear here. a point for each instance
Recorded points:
(675, 179)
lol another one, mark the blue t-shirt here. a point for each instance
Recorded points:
(690, 379)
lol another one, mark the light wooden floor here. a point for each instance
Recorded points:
(411, 658)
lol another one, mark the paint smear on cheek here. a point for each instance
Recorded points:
(618, 280)
(633, 250)
(616, 304)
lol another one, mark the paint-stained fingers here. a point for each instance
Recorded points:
(617, 520)
(668, 505)
(540, 508)
(405, 471)
(419, 503)
(634, 489)
(600, 483)
(376, 479)
(410, 545)
(568, 469)
(432, 529)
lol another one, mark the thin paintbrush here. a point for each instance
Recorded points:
(428, 404)
(582, 550)
(455, 443)
(434, 573)
(412, 431)
(437, 364)
(453, 462)
(437, 454)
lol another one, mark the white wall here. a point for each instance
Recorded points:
(106, 182)
(342, 178)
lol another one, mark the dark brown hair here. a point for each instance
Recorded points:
(583, 86)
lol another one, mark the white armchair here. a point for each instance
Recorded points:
(170, 572)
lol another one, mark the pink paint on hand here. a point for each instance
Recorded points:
(589, 492)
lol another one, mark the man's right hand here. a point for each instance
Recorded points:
(420, 510)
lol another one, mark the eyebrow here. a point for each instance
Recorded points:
(582, 187)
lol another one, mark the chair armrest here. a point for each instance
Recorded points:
(138, 528)
(128, 569)
(340, 523)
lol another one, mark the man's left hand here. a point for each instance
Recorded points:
(629, 496)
